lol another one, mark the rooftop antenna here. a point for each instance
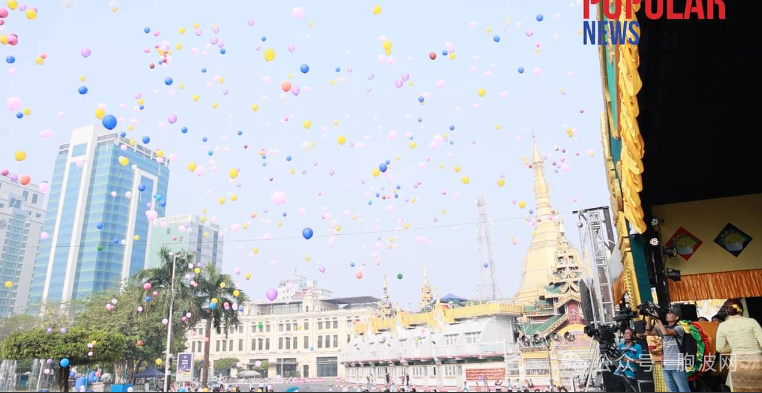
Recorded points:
(488, 289)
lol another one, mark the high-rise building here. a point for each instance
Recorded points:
(21, 216)
(104, 192)
(190, 233)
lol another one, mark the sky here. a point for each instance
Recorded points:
(558, 94)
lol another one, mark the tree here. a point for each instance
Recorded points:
(73, 345)
(145, 334)
(213, 292)
(223, 366)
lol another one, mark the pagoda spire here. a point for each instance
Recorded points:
(385, 306)
(426, 290)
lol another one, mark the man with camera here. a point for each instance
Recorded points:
(626, 371)
(673, 365)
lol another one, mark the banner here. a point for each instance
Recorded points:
(490, 374)
(184, 367)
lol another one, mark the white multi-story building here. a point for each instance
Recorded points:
(21, 218)
(187, 232)
(299, 335)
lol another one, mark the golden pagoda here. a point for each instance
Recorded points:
(385, 306)
(426, 297)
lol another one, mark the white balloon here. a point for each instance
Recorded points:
(67, 3)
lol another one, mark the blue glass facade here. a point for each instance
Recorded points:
(111, 193)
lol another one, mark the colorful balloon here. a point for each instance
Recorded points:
(272, 294)
(109, 122)
(307, 233)
(269, 55)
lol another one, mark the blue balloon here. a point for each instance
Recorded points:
(452, 128)
(398, 186)
(312, 348)
(210, 153)
(142, 107)
(240, 132)
(288, 158)
(264, 163)
(307, 233)
(83, 90)
(370, 203)
(19, 115)
(396, 196)
(212, 305)
(146, 140)
(388, 162)
(531, 211)
(203, 139)
(142, 187)
(420, 99)
(352, 264)
(109, 122)
(10, 59)
(147, 30)
(284, 214)
(496, 38)
(222, 51)
(123, 134)
(64, 362)
(444, 52)
(382, 167)
(304, 68)
(203, 70)
(148, 298)
(420, 119)
(521, 70)
(116, 241)
(184, 130)
(338, 69)
(168, 81)
(163, 204)
(72, 374)
(99, 225)
(540, 17)
(264, 38)
(378, 194)
(486, 265)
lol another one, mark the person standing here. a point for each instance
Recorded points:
(672, 335)
(465, 387)
(628, 364)
(742, 338)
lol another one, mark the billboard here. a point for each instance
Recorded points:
(490, 374)
(184, 367)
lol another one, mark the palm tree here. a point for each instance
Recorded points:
(160, 279)
(215, 295)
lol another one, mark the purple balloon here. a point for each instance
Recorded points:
(405, 76)
(272, 294)
(295, 90)
(398, 83)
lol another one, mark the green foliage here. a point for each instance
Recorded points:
(223, 366)
(265, 365)
(38, 344)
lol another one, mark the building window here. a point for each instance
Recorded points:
(320, 325)
(260, 344)
(306, 342)
(335, 324)
(288, 327)
(267, 328)
(294, 327)
(253, 344)
(280, 343)
(218, 346)
(267, 344)
(288, 343)
(240, 345)
(320, 342)
(254, 328)
(327, 367)
(327, 341)
(349, 338)
(280, 327)
(240, 329)
(231, 345)
(34, 198)
(472, 338)
(451, 339)
(306, 325)
(296, 342)
(224, 345)
(335, 341)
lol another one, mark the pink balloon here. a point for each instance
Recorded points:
(279, 198)
(250, 22)
(14, 103)
(405, 76)
(297, 12)
(272, 294)
(172, 119)
(295, 90)
(45, 236)
(398, 83)
(46, 133)
(291, 47)
(86, 52)
(440, 83)
(147, 286)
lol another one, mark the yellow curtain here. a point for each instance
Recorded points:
(720, 285)
(618, 289)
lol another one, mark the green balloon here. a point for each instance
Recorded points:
(399, 276)
(100, 248)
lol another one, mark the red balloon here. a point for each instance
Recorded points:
(432, 55)
(25, 179)
(285, 86)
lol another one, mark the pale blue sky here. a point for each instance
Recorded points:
(344, 34)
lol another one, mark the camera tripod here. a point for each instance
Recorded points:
(607, 355)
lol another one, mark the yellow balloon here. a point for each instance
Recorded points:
(159, 153)
(181, 87)
(20, 155)
(214, 300)
(124, 161)
(179, 46)
(413, 145)
(99, 113)
(197, 270)
(255, 250)
(307, 258)
(223, 285)
(387, 45)
(522, 204)
(248, 276)
(292, 171)
(4, 39)
(130, 127)
(497, 126)
(407, 226)
(269, 54)
(388, 52)
(452, 55)
(236, 293)
(234, 198)
(195, 97)
(158, 362)
(465, 180)
(338, 228)
(8, 284)
(280, 223)
(215, 105)
(482, 92)
(222, 201)
(192, 166)
(501, 182)
(82, 78)
(377, 10)
(307, 124)
(136, 237)
(341, 139)
(132, 142)
(309, 24)
(182, 30)
(196, 25)
(38, 60)
(489, 30)
(13, 4)
(376, 172)
(336, 123)
(255, 107)
(233, 173)
(140, 101)
(222, 80)
(457, 168)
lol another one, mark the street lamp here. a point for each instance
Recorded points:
(167, 375)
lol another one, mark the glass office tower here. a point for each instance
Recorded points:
(101, 189)
(190, 233)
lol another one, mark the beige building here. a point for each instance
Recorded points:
(299, 335)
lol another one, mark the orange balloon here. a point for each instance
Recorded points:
(285, 86)
(25, 179)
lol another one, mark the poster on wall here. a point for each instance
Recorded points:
(685, 243)
(184, 367)
(733, 240)
(489, 374)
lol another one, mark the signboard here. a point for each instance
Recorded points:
(173, 219)
(184, 367)
(490, 374)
